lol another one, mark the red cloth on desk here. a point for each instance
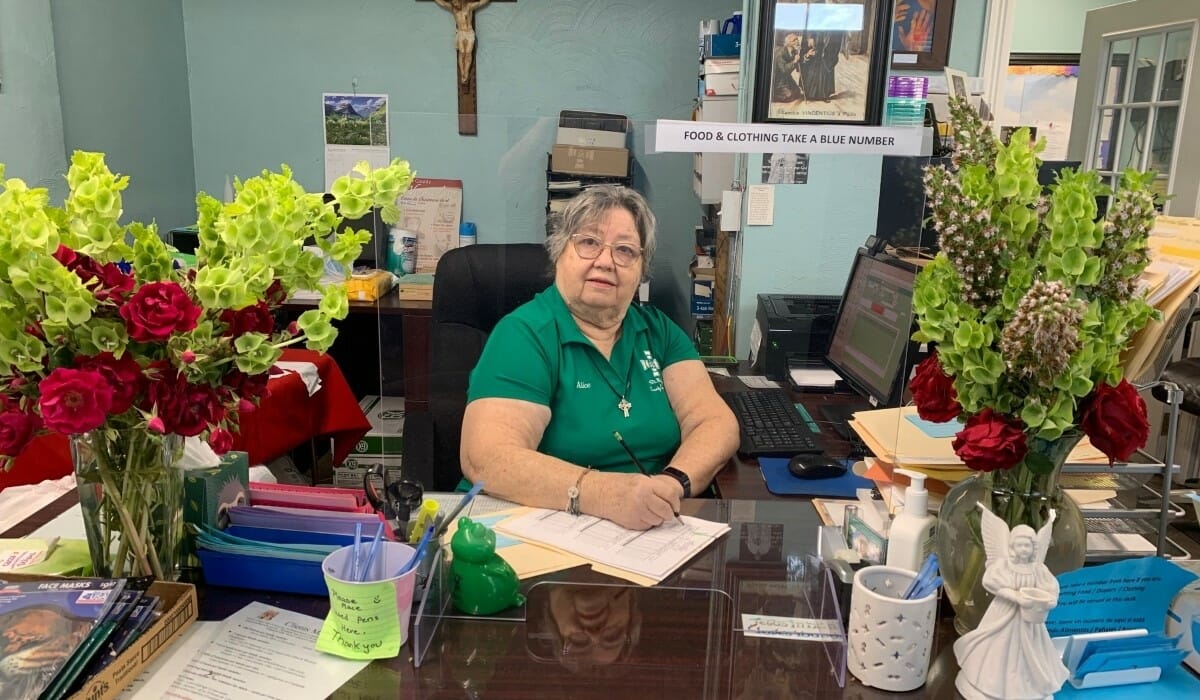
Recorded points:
(289, 416)
(286, 419)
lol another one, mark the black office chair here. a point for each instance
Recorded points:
(474, 288)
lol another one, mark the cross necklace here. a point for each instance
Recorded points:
(623, 405)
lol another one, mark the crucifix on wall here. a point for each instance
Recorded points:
(464, 46)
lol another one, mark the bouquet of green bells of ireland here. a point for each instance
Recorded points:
(105, 338)
(1029, 304)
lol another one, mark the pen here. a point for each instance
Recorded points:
(354, 552)
(923, 578)
(458, 508)
(371, 554)
(419, 552)
(638, 464)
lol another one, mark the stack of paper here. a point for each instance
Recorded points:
(302, 519)
(645, 557)
(1171, 277)
(899, 441)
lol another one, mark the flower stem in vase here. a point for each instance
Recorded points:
(131, 496)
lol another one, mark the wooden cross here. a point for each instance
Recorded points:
(464, 46)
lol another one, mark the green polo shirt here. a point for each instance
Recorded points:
(537, 353)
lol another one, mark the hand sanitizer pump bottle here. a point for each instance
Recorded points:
(910, 538)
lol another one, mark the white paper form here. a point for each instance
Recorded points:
(258, 652)
(653, 553)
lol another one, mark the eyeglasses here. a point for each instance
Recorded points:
(590, 247)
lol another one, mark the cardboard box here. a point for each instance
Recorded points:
(590, 137)
(350, 474)
(386, 436)
(702, 296)
(179, 609)
(590, 160)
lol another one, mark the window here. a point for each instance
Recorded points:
(1136, 122)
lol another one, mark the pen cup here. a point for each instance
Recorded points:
(368, 619)
(890, 638)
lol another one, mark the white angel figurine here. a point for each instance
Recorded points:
(1010, 655)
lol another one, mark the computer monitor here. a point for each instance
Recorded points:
(903, 219)
(872, 347)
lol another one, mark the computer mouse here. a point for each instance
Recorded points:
(806, 466)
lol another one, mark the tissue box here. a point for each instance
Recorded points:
(208, 493)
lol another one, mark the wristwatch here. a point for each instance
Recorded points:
(573, 493)
(683, 479)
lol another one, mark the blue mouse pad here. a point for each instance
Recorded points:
(781, 482)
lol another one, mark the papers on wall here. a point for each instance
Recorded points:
(760, 205)
(433, 210)
(356, 129)
(258, 652)
(642, 556)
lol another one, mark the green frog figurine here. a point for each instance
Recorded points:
(483, 582)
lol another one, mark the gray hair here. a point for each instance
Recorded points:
(589, 206)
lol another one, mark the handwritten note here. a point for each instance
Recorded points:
(363, 620)
(1129, 594)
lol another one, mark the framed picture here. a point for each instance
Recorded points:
(956, 84)
(1039, 93)
(921, 34)
(821, 63)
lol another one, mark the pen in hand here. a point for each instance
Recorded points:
(638, 464)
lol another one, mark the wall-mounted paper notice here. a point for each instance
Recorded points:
(731, 210)
(363, 620)
(760, 205)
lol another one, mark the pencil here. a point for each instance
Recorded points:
(638, 464)
(632, 456)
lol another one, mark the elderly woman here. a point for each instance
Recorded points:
(565, 371)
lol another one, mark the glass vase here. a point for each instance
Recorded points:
(1020, 497)
(131, 493)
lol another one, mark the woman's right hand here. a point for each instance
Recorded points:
(638, 502)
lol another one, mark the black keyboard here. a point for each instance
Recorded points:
(770, 424)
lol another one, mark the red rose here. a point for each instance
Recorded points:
(251, 319)
(247, 386)
(114, 284)
(16, 428)
(65, 256)
(123, 375)
(275, 294)
(991, 441)
(933, 392)
(1114, 418)
(74, 400)
(157, 310)
(220, 440)
(186, 409)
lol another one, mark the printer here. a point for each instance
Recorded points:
(794, 330)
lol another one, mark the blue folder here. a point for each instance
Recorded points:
(781, 482)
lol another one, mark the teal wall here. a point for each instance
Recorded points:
(123, 81)
(1056, 26)
(819, 225)
(31, 131)
(257, 71)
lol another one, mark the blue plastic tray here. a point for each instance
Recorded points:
(262, 573)
(280, 536)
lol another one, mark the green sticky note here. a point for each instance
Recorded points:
(363, 620)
